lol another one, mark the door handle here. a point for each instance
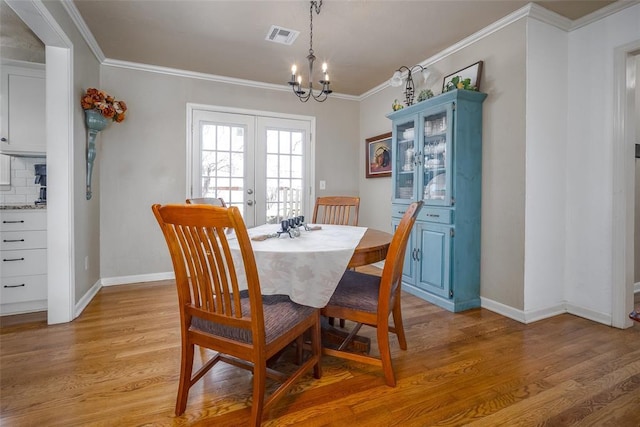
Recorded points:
(13, 259)
(250, 202)
(249, 191)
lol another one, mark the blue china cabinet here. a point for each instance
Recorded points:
(437, 158)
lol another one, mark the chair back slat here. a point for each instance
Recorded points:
(197, 236)
(340, 210)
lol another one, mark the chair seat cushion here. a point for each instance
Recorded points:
(357, 291)
(280, 315)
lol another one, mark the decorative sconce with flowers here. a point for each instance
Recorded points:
(99, 107)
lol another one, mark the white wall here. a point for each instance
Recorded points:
(546, 154)
(589, 160)
(143, 159)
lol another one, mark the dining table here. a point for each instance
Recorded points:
(308, 267)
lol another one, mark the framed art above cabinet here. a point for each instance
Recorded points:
(437, 157)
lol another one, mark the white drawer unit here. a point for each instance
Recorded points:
(26, 261)
(23, 219)
(23, 289)
(23, 260)
(15, 240)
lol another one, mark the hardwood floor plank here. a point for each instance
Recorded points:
(118, 364)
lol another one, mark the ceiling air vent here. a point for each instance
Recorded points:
(281, 35)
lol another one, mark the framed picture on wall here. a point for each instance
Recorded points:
(472, 72)
(378, 156)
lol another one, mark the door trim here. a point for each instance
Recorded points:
(623, 197)
(61, 281)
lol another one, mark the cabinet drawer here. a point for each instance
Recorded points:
(427, 213)
(23, 288)
(20, 263)
(23, 220)
(441, 216)
(16, 240)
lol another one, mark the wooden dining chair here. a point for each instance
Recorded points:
(213, 201)
(340, 210)
(369, 300)
(243, 327)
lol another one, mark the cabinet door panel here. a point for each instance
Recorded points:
(437, 155)
(409, 266)
(23, 111)
(404, 140)
(434, 253)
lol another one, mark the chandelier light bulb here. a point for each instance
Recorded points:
(299, 80)
(324, 67)
(294, 69)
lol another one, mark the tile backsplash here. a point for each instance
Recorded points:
(23, 189)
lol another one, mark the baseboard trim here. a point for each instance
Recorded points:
(531, 316)
(586, 313)
(86, 299)
(127, 280)
(502, 309)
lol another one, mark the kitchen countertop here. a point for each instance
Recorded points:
(9, 206)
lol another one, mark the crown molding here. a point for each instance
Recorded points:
(603, 13)
(83, 29)
(523, 12)
(23, 64)
(208, 77)
(531, 10)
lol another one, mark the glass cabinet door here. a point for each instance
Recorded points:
(436, 165)
(405, 161)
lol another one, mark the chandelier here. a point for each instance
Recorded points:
(409, 88)
(296, 79)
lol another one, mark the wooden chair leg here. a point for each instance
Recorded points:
(259, 384)
(385, 356)
(398, 325)
(186, 368)
(316, 348)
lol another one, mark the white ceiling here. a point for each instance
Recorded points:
(363, 41)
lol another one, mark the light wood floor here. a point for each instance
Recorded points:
(117, 365)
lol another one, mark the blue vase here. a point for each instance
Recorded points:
(95, 123)
(95, 120)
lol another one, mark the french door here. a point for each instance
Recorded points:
(259, 163)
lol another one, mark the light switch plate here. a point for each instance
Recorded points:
(323, 184)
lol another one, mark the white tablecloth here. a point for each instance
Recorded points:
(307, 268)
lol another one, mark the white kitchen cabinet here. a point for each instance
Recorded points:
(23, 253)
(22, 110)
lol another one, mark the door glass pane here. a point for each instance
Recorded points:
(435, 156)
(405, 161)
(284, 162)
(223, 163)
